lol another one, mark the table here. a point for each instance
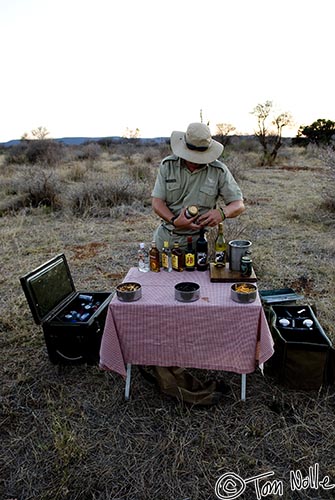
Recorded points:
(212, 333)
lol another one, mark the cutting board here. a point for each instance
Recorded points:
(225, 275)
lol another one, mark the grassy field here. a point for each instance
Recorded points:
(66, 432)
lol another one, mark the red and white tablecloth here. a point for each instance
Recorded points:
(212, 333)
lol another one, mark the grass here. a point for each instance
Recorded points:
(68, 434)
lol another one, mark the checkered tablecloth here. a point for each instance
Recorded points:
(212, 333)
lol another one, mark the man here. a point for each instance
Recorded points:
(193, 175)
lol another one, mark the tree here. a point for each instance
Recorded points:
(39, 133)
(132, 134)
(222, 132)
(270, 138)
(319, 132)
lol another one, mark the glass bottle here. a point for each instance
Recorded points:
(220, 248)
(202, 252)
(143, 259)
(189, 255)
(177, 257)
(154, 258)
(166, 257)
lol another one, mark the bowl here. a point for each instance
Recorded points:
(187, 291)
(129, 291)
(244, 293)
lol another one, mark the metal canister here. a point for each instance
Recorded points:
(246, 265)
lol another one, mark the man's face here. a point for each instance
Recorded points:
(194, 166)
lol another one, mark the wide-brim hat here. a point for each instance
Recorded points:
(196, 144)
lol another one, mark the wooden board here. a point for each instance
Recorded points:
(225, 275)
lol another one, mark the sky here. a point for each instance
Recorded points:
(97, 68)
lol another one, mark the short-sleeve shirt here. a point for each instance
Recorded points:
(179, 187)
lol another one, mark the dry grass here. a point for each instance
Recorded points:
(68, 434)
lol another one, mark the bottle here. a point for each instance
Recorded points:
(166, 257)
(191, 211)
(177, 257)
(154, 258)
(143, 259)
(202, 252)
(220, 248)
(189, 255)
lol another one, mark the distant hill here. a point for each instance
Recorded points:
(77, 141)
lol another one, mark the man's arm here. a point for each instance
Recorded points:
(160, 208)
(214, 217)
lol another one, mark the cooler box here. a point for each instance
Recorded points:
(303, 352)
(72, 321)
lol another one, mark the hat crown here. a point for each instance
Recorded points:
(198, 135)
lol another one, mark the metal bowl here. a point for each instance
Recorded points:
(129, 291)
(187, 291)
(243, 293)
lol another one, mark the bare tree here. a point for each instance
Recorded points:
(270, 138)
(40, 133)
(132, 134)
(223, 130)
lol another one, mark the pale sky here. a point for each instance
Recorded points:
(95, 68)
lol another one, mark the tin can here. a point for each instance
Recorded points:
(246, 265)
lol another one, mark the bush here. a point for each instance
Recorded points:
(327, 155)
(32, 152)
(98, 199)
(33, 189)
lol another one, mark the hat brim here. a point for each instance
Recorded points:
(179, 148)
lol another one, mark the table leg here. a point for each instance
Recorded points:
(127, 388)
(243, 386)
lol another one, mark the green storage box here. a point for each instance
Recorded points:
(303, 352)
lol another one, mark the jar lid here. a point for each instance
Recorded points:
(192, 210)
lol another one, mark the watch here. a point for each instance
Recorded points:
(223, 215)
(173, 219)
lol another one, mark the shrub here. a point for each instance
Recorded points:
(32, 189)
(327, 155)
(97, 199)
(32, 152)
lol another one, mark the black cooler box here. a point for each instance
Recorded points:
(72, 321)
(303, 353)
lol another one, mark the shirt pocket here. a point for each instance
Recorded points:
(208, 194)
(173, 192)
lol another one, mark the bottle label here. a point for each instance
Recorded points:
(202, 258)
(189, 260)
(165, 261)
(220, 258)
(175, 262)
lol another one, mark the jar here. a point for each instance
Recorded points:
(191, 211)
(246, 265)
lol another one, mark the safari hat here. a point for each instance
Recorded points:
(196, 144)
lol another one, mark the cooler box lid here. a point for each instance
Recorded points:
(279, 295)
(47, 287)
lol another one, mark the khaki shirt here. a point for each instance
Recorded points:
(179, 187)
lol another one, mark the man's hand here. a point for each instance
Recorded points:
(211, 218)
(182, 222)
